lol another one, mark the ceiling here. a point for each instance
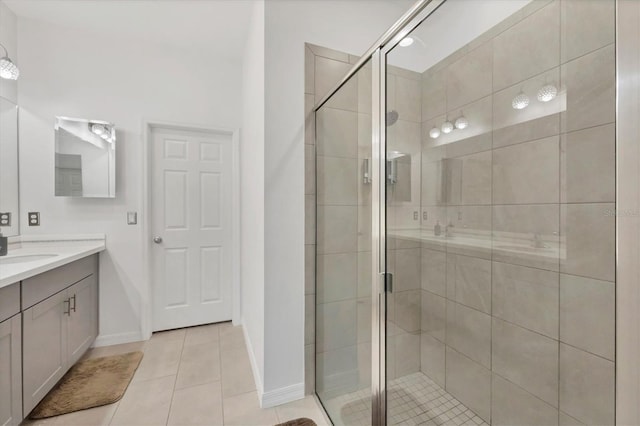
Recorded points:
(452, 26)
(219, 26)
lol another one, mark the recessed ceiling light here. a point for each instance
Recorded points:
(407, 41)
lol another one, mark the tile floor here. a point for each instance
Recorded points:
(193, 376)
(413, 399)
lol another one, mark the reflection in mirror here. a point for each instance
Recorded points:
(399, 176)
(9, 201)
(85, 158)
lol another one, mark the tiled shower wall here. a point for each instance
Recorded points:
(525, 335)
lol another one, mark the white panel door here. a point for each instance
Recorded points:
(191, 227)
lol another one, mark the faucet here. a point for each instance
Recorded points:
(4, 245)
(449, 230)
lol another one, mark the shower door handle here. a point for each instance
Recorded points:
(388, 282)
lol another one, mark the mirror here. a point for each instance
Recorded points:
(85, 163)
(9, 198)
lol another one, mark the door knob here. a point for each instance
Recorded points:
(157, 240)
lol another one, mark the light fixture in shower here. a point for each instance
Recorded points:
(447, 127)
(521, 101)
(406, 42)
(461, 123)
(8, 70)
(434, 133)
(547, 93)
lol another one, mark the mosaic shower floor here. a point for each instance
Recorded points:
(412, 400)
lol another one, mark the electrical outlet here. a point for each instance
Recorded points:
(5, 219)
(425, 216)
(34, 218)
(415, 215)
(132, 218)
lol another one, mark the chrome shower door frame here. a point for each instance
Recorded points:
(377, 54)
(414, 17)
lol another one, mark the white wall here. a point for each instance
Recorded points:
(252, 194)
(73, 73)
(350, 26)
(9, 39)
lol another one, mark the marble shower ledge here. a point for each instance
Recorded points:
(64, 248)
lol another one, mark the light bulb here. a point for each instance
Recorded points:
(447, 127)
(462, 123)
(521, 101)
(98, 129)
(547, 93)
(8, 70)
(405, 42)
(434, 133)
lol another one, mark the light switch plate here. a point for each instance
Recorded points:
(33, 218)
(5, 219)
(132, 218)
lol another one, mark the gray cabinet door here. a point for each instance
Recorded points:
(10, 372)
(83, 321)
(45, 357)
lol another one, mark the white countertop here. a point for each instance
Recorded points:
(65, 249)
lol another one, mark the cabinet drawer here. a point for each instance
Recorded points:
(41, 286)
(9, 301)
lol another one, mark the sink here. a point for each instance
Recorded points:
(9, 260)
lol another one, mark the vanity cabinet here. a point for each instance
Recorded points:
(10, 371)
(83, 319)
(57, 328)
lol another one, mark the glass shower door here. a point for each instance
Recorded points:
(500, 201)
(344, 255)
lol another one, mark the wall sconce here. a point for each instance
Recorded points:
(447, 127)
(462, 123)
(8, 70)
(521, 101)
(547, 93)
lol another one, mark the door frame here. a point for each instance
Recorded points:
(148, 127)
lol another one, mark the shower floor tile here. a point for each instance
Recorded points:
(413, 399)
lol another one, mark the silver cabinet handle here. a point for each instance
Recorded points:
(157, 240)
(72, 307)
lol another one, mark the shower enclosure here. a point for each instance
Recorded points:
(465, 219)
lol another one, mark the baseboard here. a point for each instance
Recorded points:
(254, 364)
(117, 339)
(282, 395)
